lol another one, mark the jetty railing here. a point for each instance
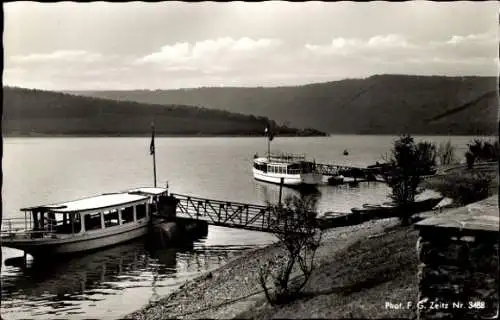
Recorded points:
(286, 157)
(335, 170)
(20, 227)
(228, 213)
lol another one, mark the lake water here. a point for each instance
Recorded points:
(110, 283)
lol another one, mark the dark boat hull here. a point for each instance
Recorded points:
(374, 212)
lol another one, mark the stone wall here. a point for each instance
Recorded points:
(458, 276)
(458, 271)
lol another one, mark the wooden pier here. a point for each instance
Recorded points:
(346, 171)
(226, 213)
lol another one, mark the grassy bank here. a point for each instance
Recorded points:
(465, 185)
(359, 281)
(359, 269)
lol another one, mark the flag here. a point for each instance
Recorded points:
(271, 136)
(152, 145)
(269, 133)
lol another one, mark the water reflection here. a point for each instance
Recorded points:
(331, 198)
(269, 192)
(78, 274)
(71, 285)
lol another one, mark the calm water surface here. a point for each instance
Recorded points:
(110, 283)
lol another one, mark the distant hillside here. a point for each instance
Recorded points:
(381, 104)
(36, 112)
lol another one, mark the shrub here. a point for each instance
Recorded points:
(446, 153)
(294, 224)
(464, 188)
(482, 150)
(407, 164)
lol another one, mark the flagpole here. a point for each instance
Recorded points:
(268, 148)
(153, 151)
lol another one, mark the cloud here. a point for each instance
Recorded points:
(482, 38)
(59, 56)
(476, 48)
(201, 55)
(343, 46)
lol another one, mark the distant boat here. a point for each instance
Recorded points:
(346, 153)
(336, 180)
(295, 170)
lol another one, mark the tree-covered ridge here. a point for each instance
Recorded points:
(31, 112)
(381, 104)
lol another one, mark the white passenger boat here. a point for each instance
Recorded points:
(295, 170)
(83, 224)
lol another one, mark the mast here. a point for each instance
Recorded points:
(152, 151)
(270, 136)
(268, 149)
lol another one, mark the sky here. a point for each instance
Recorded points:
(170, 45)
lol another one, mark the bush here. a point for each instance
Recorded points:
(482, 150)
(407, 164)
(464, 188)
(295, 225)
(446, 153)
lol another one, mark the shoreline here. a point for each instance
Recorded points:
(233, 289)
(157, 135)
(229, 135)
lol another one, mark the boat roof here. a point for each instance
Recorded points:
(149, 190)
(279, 160)
(95, 202)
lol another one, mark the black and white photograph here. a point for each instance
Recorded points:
(250, 160)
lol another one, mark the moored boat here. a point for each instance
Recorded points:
(336, 180)
(84, 224)
(292, 170)
(387, 209)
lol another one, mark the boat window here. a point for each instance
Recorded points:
(62, 223)
(307, 167)
(111, 218)
(92, 221)
(260, 166)
(127, 215)
(77, 225)
(293, 169)
(140, 211)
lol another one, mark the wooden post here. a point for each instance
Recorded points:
(268, 148)
(153, 151)
(281, 189)
(101, 215)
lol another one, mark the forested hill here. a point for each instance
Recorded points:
(381, 104)
(36, 112)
